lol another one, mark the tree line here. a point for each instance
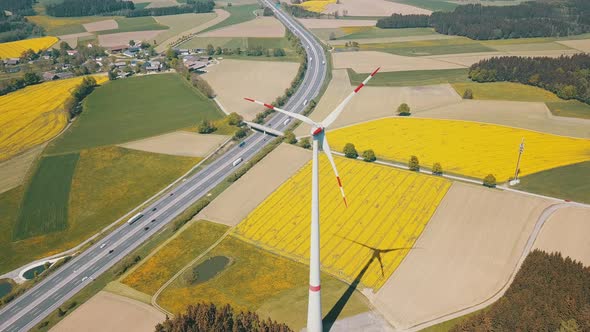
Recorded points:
(529, 19)
(566, 76)
(549, 293)
(70, 8)
(22, 7)
(250, 51)
(16, 26)
(208, 317)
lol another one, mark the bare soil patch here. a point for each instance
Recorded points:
(367, 61)
(567, 232)
(109, 312)
(260, 27)
(162, 3)
(465, 255)
(374, 8)
(233, 80)
(526, 115)
(101, 25)
(72, 39)
(376, 102)
(314, 23)
(122, 38)
(14, 170)
(236, 202)
(582, 44)
(179, 143)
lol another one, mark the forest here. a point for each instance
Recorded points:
(21, 7)
(192, 6)
(566, 76)
(549, 293)
(17, 27)
(69, 8)
(207, 317)
(528, 19)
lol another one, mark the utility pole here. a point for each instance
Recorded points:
(520, 151)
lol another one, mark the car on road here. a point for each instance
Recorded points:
(154, 209)
(146, 228)
(103, 245)
(242, 144)
(85, 278)
(111, 251)
(153, 220)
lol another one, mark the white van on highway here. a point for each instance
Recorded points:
(237, 162)
(305, 102)
(286, 121)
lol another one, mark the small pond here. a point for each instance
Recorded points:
(30, 273)
(5, 287)
(210, 268)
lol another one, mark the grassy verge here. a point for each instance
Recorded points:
(237, 14)
(570, 108)
(45, 205)
(276, 288)
(412, 78)
(567, 182)
(448, 325)
(506, 91)
(159, 268)
(134, 108)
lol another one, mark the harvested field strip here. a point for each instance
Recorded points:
(135, 108)
(16, 48)
(35, 114)
(181, 23)
(388, 209)
(467, 148)
(58, 26)
(278, 288)
(570, 108)
(428, 47)
(14, 170)
(561, 182)
(168, 260)
(411, 78)
(238, 14)
(374, 32)
(45, 205)
(506, 91)
(130, 24)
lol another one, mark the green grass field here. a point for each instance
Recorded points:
(169, 259)
(570, 108)
(276, 287)
(134, 108)
(411, 78)
(506, 91)
(568, 182)
(129, 24)
(238, 14)
(45, 205)
(57, 26)
(427, 47)
(434, 5)
(106, 183)
(374, 32)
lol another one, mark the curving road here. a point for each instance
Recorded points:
(32, 307)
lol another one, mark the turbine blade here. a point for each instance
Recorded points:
(328, 152)
(336, 112)
(291, 114)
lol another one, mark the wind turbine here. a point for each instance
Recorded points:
(314, 308)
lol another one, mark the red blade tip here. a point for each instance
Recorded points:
(249, 99)
(375, 72)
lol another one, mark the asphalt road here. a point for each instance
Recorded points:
(32, 307)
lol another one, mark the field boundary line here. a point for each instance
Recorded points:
(15, 273)
(196, 259)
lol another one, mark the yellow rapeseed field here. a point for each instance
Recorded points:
(388, 209)
(317, 6)
(16, 48)
(33, 115)
(469, 148)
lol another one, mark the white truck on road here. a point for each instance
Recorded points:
(134, 218)
(237, 162)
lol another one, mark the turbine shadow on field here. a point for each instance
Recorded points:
(336, 310)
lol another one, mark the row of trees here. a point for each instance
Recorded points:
(251, 51)
(528, 19)
(566, 76)
(549, 293)
(208, 317)
(7, 86)
(191, 6)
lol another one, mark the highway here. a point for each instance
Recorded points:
(32, 307)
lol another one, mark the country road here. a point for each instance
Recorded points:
(37, 303)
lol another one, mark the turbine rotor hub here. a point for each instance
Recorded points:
(316, 131)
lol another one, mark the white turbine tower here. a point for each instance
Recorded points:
(314, 308)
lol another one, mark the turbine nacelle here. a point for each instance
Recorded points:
(316, 131)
